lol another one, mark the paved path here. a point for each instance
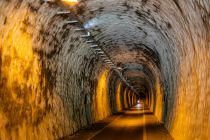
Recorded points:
(134, 124)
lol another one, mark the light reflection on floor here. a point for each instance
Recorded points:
(138, 123)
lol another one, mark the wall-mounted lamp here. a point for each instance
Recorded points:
(97, 49)
(93, 46)
(87, 35)
(107, 60)
(79, 29)
(89, 41)
(63, 12)
(71, 22)
(119, 68)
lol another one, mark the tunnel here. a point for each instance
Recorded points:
(85, 69)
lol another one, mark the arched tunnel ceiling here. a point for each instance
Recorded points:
(131, 33)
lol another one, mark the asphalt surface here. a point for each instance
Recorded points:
(138, 123)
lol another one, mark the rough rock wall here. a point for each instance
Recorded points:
(191, 107)
(51, 82)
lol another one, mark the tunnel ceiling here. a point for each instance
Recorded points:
(133, 34)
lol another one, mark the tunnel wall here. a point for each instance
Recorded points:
(188, 101)
(178, 31)
(51, 82)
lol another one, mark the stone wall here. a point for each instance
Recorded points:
(51, 82)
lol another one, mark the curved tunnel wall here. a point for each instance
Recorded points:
(174, 38)
(51, 83)
(54, 84)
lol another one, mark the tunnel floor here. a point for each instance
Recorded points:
(138, 123)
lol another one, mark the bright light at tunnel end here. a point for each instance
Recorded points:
(138, 104)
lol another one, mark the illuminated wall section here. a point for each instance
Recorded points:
(101, 99)
(159, 102)
(118, 97)
(191, 111)
(134, 99)
(125, 99)
(23, 92)
(129, 98)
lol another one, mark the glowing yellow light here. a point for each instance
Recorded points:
(129, 98)
(125, 98)
(24, 93)
(71, 2)
(118, 98)
(159, 104)
(102, 98)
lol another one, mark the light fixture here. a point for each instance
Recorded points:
(63, 12)
(71, 22)
(97, 49)
(119, 68)
(89, 41)
(93, 46)
(87, 35)
(107, 60)
(79, 29)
